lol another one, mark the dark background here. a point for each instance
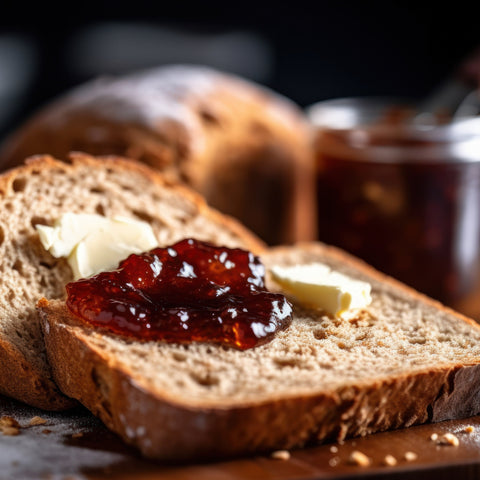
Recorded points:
(334, 49)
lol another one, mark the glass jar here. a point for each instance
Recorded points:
(402, 191)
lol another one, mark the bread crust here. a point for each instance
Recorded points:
(243, 147)
(19, 378)
(177, 429)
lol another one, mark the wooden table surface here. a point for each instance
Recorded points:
(75, 445)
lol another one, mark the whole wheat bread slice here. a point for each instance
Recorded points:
(37, 194)
(404, 360)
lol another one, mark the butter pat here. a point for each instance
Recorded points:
(93, 243)
(316, 285)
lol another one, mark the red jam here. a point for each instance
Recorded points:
(190, 291)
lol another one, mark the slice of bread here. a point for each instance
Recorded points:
(404, 360)
(40, 192)
(245, 148)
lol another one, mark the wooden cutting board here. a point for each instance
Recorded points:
(76, 445)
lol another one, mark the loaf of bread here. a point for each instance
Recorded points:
(39, 193)
(243, 147)
(403, 360)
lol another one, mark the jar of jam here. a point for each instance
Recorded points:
(401, 190)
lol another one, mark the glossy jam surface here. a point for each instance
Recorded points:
(190, 291)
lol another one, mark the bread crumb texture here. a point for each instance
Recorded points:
(39, 194)
(396, 335)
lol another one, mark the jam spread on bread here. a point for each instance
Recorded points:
(190, 291)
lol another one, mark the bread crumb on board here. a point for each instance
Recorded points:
(389, 461)
(35, 421)
(77, 435)
(448, 439)
(9, 426)
(334, 461)
(334, 449)
(410, 456)
(10, 431)
(359, 458)
(281, 455)
(8, 422)
(469, 429)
